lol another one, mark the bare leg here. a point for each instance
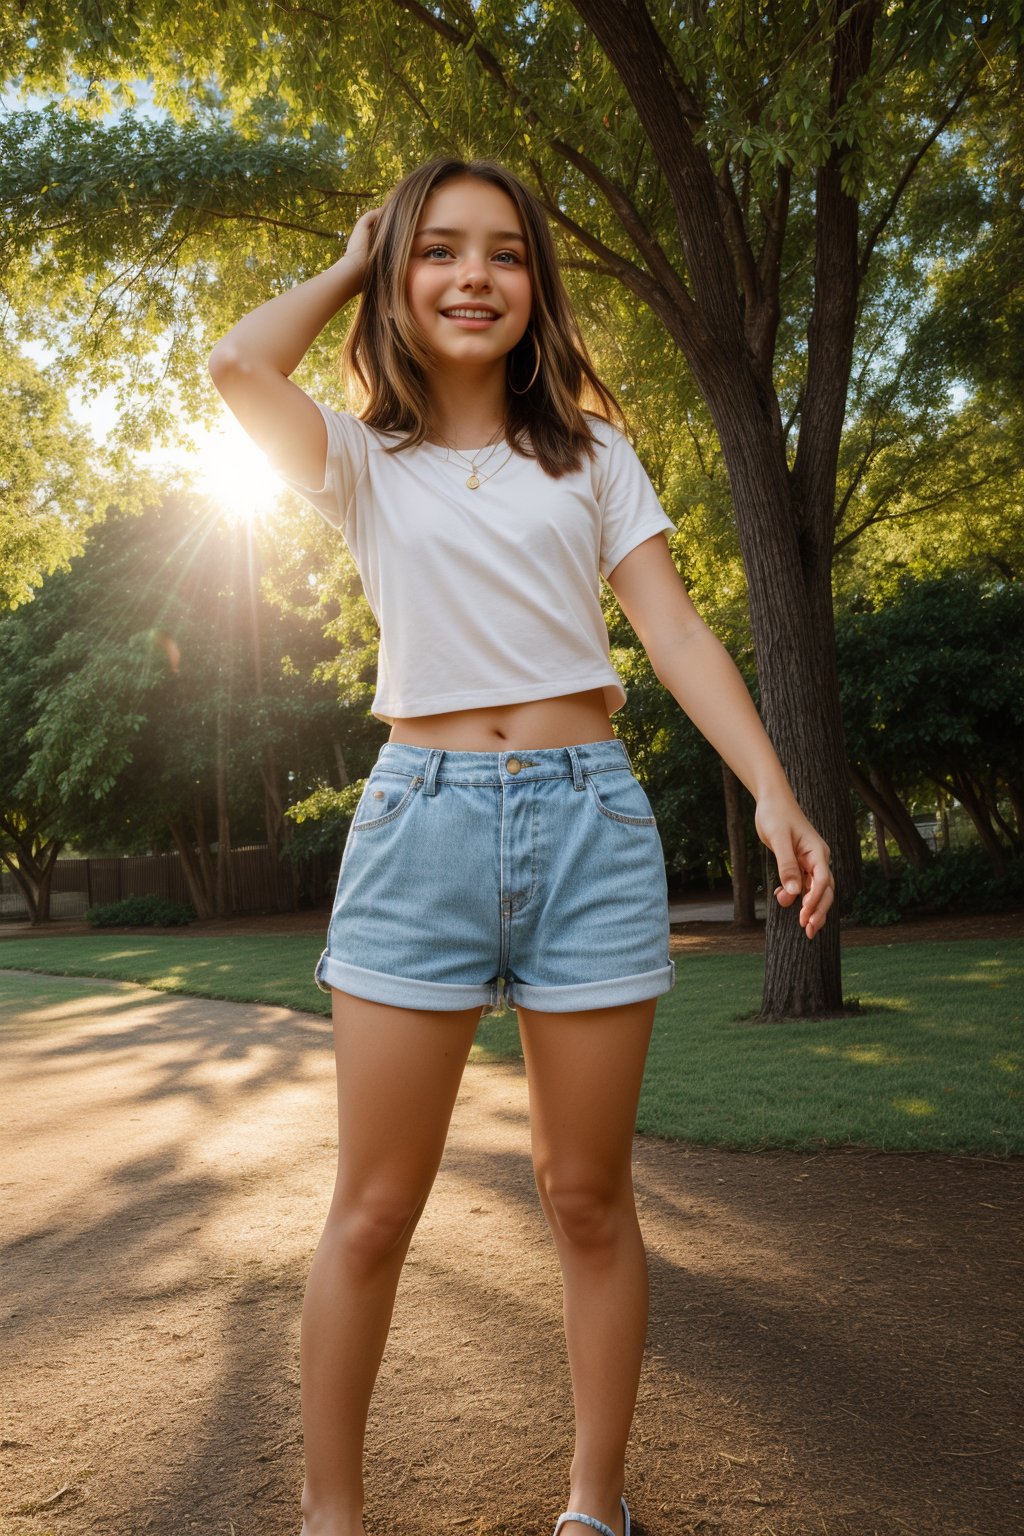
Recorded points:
(398, 1071)
(585, 1071)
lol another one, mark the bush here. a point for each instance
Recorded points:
(141, 912)
(958, 881)
(876, 904)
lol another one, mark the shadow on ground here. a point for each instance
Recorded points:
(829, 1348)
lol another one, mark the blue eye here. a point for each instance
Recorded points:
(432, 250)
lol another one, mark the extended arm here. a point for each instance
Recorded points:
(702, 677)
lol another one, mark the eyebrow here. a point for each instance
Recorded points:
(495, 234)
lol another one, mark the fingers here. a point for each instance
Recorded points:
(809, 873)
(790, 872)
(821, 892)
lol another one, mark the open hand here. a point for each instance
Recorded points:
(803, 859)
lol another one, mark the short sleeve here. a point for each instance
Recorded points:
(630, 509)
(346, 462)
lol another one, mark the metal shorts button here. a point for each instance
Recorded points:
(513, 765)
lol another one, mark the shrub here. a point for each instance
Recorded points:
(958, 881)
(141, 912)
(876, 904)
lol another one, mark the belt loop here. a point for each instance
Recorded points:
(430, 771)
(578, 781)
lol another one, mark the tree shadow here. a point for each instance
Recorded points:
(828, 1332)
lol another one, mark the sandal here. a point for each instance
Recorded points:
(597, 1525)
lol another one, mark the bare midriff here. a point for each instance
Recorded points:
(566, 721)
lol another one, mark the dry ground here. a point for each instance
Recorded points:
(831, 1349)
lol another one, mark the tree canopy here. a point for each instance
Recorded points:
(790, 193)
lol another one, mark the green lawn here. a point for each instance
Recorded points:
(936, 1061)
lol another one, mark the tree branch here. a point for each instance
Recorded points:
(905, 179)
(617, 198)
(924, 506)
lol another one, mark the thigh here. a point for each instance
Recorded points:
(398, 1072)
(585, 1071)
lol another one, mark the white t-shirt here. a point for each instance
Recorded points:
(487, 596)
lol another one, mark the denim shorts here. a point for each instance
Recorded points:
(540, 870)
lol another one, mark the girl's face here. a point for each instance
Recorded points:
(469, 254)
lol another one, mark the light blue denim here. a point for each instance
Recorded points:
(539, 870)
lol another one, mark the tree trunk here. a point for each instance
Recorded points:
(877, 791)
(225, 881)
(192, 870)
(1016, 793)
(964, 790)
(32, 869)
(785, 519)
(991, 798)
(280, 831)
(340, 764)
(206, 865)
(883, 852)
(742, 883)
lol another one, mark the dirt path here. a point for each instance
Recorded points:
(830, 1350)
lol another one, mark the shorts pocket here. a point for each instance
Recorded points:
(619, 795)
(384, 798)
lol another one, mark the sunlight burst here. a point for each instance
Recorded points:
(232, 472)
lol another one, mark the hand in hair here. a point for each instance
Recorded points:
(358, 248)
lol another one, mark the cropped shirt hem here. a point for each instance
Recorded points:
(475, 698)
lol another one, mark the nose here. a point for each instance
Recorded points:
(474, 273)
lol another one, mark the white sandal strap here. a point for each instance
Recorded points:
(596, 1525)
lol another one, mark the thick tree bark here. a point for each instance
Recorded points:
(785, 520)
(742, 882)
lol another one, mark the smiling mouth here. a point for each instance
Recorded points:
(468, 312)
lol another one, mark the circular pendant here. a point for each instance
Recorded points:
(473, 482)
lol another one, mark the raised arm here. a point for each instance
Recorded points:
(702, 677)
(250, 366)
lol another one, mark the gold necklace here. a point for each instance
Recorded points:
(475, 478)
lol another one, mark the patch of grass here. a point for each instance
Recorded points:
(934, 1060)
(938, 1064)
(245, 970)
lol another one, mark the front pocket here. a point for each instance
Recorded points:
(619, 795)
(385, 797)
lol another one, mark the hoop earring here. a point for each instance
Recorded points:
(536, 370)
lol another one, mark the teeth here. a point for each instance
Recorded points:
(470, 314)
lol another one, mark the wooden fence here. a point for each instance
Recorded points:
(260, 883)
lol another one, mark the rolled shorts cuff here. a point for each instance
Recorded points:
(592, 994)
(400, 991)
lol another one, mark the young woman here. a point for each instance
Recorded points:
(502, 833)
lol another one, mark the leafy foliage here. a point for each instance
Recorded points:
(54, 484)
(953, 882)
(932, 686)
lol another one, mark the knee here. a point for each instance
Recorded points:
(587, 1212)
(369, 1225)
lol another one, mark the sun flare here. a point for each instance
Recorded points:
(234, 475)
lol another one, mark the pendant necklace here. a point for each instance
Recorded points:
(476, 479)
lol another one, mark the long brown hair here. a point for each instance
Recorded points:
(385, 358)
